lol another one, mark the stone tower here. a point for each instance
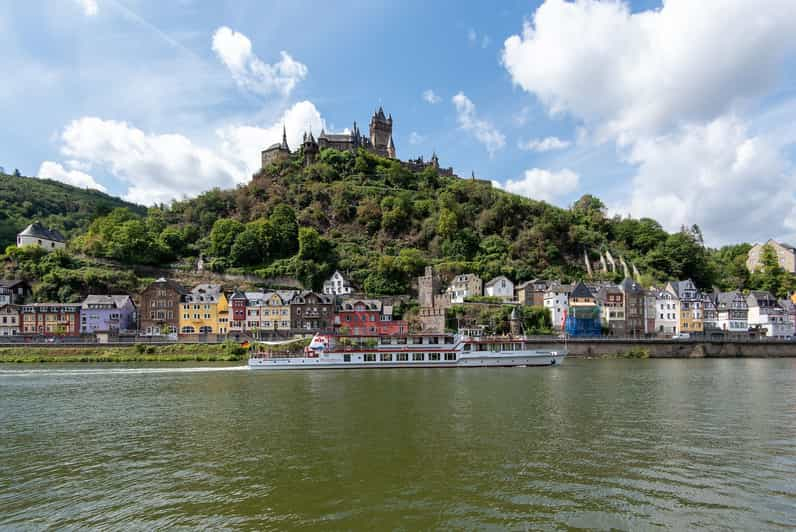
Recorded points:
(381, 134)
(310, 148)
(514, 323)
(427, 286)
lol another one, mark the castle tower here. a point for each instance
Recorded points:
(381, 133)
(391, 149)
(427, 286)
(435, 161)
(310, 148)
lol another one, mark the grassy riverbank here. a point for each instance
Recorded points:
(138, 353)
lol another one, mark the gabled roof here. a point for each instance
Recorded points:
(171, 284)
(12, 283)
(581, 291)
(628, 285)
(37, 230)
(496, 279)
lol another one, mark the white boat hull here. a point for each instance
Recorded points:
(469, 360)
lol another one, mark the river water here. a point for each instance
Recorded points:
(624, 444)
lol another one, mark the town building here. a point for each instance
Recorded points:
(204, 310)
(500, 287)
(765, 313)
(36, 234)
(101, 313)
(633, 295)
(310, 311)
(789, 307)
(50, 319)
(556, 300)
(650, 311)
(531, 293)
(710, 313)
(359, 317)
(337, 285)
(14, 292)
(667, 313)
(464, 286)
(732, 312)
(9, 320)
(159, 308)
(690, 319)
(237, 312)
(612, 309)
(583, 317)
(786, 256)
(268, 312)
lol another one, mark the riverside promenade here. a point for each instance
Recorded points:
(673, 347)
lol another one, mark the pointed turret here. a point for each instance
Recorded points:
(284, 138)
(391, 148)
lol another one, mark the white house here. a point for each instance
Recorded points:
(733, 312)
(337, 285)
(464, 286)
(765, 312)
(667, 312)
(556, 299)
(500, 287)
(37, 235)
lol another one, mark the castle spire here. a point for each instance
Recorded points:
(284, 137)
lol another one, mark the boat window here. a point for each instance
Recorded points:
(370, 357)
(449, 339)
(433, 340)
(386, 357)
(402, 357)
(450, 356)
(346, 358)
(433, 356)
(416, 340)
(418, 357)
(466, 347)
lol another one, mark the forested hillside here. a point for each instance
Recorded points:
(67, 208)
(382, 224)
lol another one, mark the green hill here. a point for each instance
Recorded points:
(67, 208)
(381, 223)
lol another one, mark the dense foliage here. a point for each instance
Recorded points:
(64, 207)
(382, 224)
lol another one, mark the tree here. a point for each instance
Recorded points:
(223, 235)
(285, 230)
(255, 244)
(770, 276)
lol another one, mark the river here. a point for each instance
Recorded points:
(624, 444)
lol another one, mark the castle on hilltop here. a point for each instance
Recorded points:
(379, 141)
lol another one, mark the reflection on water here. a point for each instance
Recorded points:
(594, 444)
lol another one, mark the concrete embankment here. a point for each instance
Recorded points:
(684, 348)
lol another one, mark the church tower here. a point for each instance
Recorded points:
(381, 134)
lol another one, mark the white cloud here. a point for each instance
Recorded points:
(157, 168)
(243, 144)
(90, 7)
(484, 132)
(249, 71)
(416, 138)
(431, 97)
(732, 184)
(640, 72)
(672, 91)
(543, 145)
(53, 170)
(541, 184)
(161, 167)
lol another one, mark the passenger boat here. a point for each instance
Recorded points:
(412, 351)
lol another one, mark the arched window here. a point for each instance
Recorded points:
(187, 330)
(205, 329)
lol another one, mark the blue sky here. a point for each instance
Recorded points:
(682, 112)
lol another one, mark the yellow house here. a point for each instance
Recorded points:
(205, 310)
(691, 317)
(275, 312)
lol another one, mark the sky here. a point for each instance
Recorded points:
(681, 111)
